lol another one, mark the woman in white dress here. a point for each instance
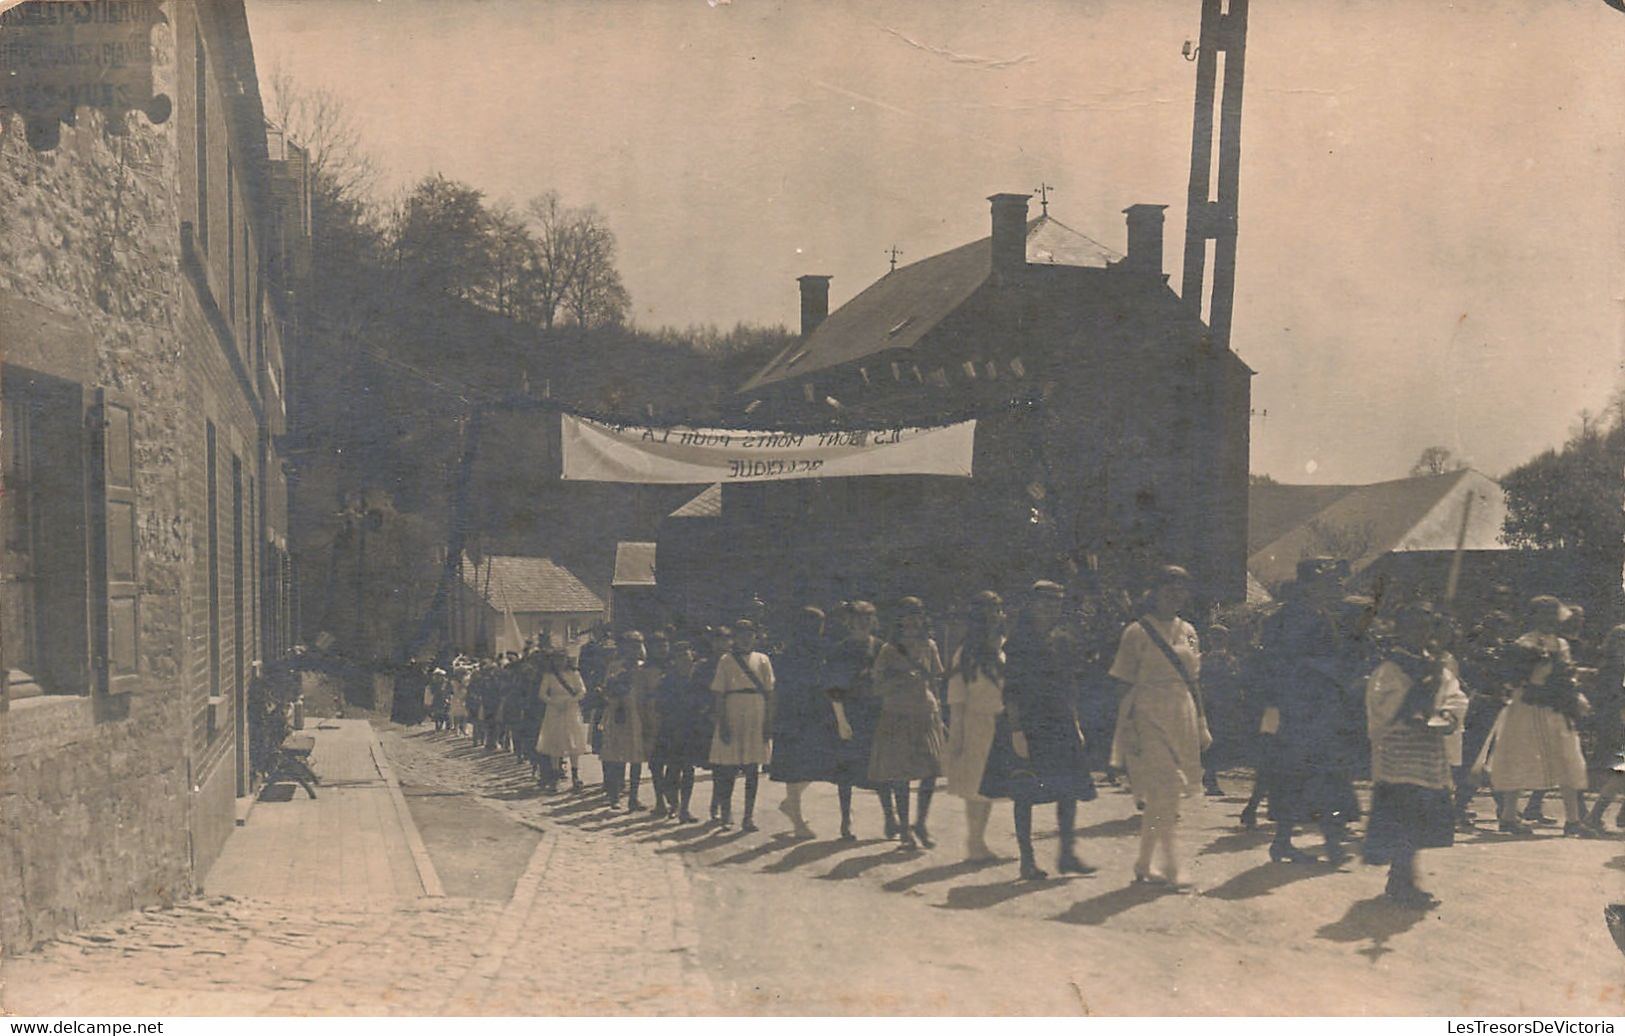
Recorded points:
(1161, 731)
(743, 685)
(564, 732)
(1536, 742)
(975, 700)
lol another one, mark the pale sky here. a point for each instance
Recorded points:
(1432, 221)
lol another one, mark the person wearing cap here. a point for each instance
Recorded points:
(975, 700)
(909, 736)
(1414, 703)
(1038, 752)
(805, 740)
(743, 685)
(1161, 723)
(563, 733)
(849, 683)
(1536, 742)
(623, 722)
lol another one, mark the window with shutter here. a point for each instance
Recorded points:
(42, 541)
(115, 600)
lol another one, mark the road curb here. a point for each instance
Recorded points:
(428, 877)
(469, 993)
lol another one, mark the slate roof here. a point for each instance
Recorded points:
(707, 505)
(1407, 514)
(898, 310)
(634, 564)
(529, 584)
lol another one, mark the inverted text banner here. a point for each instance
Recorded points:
(596, 452)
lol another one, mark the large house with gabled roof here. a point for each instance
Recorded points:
(1112, 431)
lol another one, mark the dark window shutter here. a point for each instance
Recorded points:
(115, 601)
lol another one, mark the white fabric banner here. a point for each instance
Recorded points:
(597, 452)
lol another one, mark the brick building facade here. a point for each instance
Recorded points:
(146, 276)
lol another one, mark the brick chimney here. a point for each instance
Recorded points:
(1009, 231)
(814, 301)
(1144, 239)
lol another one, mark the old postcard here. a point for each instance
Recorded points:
(755, 507)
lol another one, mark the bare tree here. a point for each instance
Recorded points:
(1435, 460)
(512, 255)
(548, 270)
(314, 116)
(573, 268)
(593, 294)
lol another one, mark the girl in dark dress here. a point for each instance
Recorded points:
(1038, 748)
(1314, 709)
(683, 735)
(848, 675)
(805, 741)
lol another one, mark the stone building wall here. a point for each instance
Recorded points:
(115, 801)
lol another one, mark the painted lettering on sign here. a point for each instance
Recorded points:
(58, 57)
(601, 452)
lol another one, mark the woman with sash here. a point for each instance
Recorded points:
(909, 737)
(623, 722)
(1161, 730)
(743, 686)
(564, 732)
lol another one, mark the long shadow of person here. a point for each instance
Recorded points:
(1264, 879)
(980, 897)
(812, 852)
(941, 872)
(714, 840)
(1111, 828)
(1235, 842)
(774, 843)
(856, 865)
(686, 833)
(1378, 919)
(1104, 907)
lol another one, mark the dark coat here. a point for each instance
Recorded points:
(1041, 702)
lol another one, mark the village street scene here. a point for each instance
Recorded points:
(743, 509)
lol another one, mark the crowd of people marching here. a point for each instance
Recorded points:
(1036, 700)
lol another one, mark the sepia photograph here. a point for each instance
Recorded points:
(805, 508)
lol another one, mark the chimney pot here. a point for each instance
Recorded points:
(1144, 238)
(814, 301)
(1009, 231)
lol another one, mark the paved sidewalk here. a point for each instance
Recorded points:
(353, 844)
(317, 908)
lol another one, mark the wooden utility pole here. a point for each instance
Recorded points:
(1224, 31)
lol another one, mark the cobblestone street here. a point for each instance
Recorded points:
(554, 905)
